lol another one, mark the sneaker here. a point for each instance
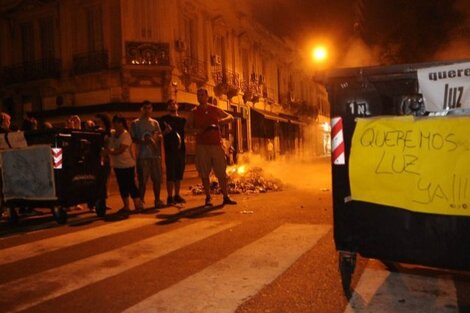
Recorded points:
(227, 200)
(208, 203)
(159, 204)
(170, 200)
(140, 208)
(179, 199)
(124, 211)
(138, 205)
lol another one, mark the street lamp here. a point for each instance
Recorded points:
(319, 54)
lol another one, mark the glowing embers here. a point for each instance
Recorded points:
(239, 170)
(242, 179)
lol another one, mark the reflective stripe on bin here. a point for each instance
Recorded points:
(57, 158)
(337, 141)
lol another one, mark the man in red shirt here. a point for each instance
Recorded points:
(206, 120)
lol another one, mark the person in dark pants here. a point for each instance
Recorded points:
(123, 163)
(172, 126)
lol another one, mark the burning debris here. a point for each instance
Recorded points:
(243, 180)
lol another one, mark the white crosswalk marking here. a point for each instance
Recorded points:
(28, 250)
(61, 280)
(223, 286)
(383, 291)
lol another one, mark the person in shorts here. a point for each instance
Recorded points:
(206, 120)
(146, 134)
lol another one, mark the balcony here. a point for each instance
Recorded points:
(226, 82)
(90, 62)
(252, 90)
(29, 71)
(147, 53)
(194, 70)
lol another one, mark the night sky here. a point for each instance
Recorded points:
(393, 31)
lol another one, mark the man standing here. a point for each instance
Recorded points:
(172, 126)
(206, 120)
(146, 134)
(270, 150)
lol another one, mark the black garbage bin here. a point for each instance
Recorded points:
(380, 229)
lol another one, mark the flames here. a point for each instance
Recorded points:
(236, 170)
(243, 179)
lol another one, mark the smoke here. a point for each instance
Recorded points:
(458, 46)
(308, 168)
(359, 54)
(294, 172)
(456, 49)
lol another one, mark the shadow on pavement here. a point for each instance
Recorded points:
(43, 219)
(119, 216)
(196, 212)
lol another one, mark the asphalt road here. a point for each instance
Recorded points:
(272, 252)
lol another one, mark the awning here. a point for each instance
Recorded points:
(270, 115)
(292, 119)
(279, 117)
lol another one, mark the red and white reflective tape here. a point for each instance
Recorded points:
(57, 158)
(337, 143)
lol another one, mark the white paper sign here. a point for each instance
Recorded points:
(17, 140)
(3, 142)
(445, 87)
(28, 174)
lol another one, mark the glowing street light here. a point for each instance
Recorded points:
(319, 54)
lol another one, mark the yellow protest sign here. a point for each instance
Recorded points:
(418, 164)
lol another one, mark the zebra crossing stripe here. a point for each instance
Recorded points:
(383, 291)
(38, 247)
(225, 285)
(61, 280)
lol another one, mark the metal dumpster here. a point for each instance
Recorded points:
(400, 172)
(59, 168)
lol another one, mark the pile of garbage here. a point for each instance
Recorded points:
(243, 180)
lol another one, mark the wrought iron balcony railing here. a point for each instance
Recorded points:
(226, 81)
(90, 62)
(148, 53)
(194, 69)
(49, 68)
(249, 87)
(226, 77)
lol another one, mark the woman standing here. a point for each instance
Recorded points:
(123, 162)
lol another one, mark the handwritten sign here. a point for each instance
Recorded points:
(418, 164)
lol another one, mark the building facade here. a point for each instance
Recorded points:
(65, 57)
